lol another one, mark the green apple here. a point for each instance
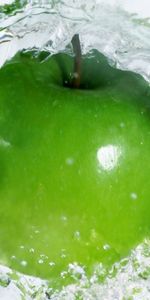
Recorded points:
(74, 165)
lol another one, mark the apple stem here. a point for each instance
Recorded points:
(76, 81)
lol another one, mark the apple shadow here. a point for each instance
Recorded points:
(97, 73)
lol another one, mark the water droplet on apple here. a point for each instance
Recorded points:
(40, 261)
(13, 257)
(63, 274)
(43, 256)
(77, 235)
(51, 264)
(24, 263)
(70, 161)
(122, 125)
(63, 218)
(22, 247)
(4, 143)
(63, 253)
(31, 250)
(106, 247)
(93, 235)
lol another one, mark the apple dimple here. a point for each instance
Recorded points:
(74, 167)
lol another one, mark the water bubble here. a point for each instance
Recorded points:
(64, 219)
(76, 270)
(63, 274)
(51, 264)
(106, 247)
(40, 261)
(63, 253)
(4, 143)
(13, 257)
(43, 256)
(122, 125)
(22, 247)
(93, 279)
(77, 235)
(133, 196)
(23, 263)
(93, 234)
(70, 161)
(31, 250)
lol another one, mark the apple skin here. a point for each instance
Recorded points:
(63, 199)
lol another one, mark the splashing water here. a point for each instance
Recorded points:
(117, 28)
(128, 279)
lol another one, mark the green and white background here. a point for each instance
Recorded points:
(75, 166)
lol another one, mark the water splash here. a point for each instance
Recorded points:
(127, 279)
(119, 29)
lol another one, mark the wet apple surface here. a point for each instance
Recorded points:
(75, 167)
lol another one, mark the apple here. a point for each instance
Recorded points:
(74, 165)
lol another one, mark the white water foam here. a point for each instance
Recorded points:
(120, 29)
(127, 279)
